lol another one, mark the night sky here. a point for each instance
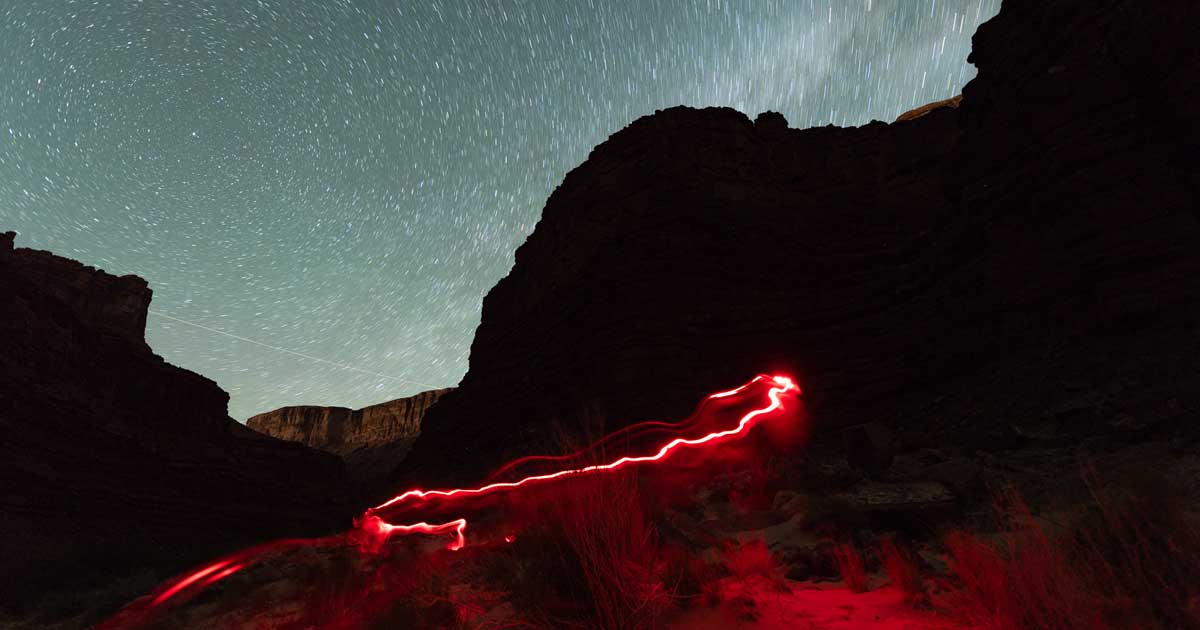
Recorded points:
(334, 184)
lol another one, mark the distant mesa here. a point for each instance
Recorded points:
(342, 431)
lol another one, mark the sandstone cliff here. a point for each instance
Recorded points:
(117, 468)
(1020, 267)
(342, 431)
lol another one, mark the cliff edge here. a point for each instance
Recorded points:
(342, 431)
(1019, 267)
(118, 469)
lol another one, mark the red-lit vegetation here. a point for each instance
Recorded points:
(565, 540)
(900, 564)
(612, 540)
(605, 556)
(595, 559)
(851, 566)
(558, 480)
(574, 466)
(602, 526)
(749, 558)
(1131, 561)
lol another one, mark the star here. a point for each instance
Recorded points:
(357, 175)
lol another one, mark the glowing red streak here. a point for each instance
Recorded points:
(376, 526)
(193, 578)
(217, 577)
(216, 571)
(639, 427)
(375, 531)
(378, 531)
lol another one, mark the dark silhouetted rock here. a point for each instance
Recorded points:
(874, 496)
(941, 274)
(770, 121)
(870, 448)
(117, 468)
(913, 114)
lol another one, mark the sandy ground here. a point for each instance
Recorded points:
(809, 606)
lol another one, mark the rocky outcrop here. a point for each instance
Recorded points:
(342, 431)
(117, 468)
(113, 306)
(1028, 254)
(914, 114)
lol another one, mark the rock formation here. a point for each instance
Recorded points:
(118, 469)
(1019, 269)
(342, 431)
(1030, 255)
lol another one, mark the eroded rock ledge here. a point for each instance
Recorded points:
(342, 431)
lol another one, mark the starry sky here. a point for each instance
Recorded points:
(320, 192)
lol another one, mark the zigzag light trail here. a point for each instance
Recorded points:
(373, 531)
(670, 446)
(373, 525)
(611, 437)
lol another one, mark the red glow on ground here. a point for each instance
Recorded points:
(372, 532)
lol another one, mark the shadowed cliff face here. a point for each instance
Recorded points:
(342, 431)
(117, 468)
(1028, 257)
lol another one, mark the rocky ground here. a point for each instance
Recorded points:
(809, 546)
(991, 300)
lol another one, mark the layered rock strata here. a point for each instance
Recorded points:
(342, 431)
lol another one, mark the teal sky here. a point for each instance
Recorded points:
(337, 184)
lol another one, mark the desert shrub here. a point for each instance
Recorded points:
(900, 563)
(1131, 561)
(751, 557)
(688, 577)
(1021, 581)
(983, 597)
(851, 566)
(605, 525)
(407, 588)
(591, 559)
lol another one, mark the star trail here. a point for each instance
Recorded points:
(320, 192)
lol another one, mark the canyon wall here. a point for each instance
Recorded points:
(342, 431)
(118, 469)
(1019, 267)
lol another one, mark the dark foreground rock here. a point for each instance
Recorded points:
(1005, 284)
(118, 469)
(1027, 255)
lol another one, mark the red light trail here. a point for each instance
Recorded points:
(213, 572)
(372, 531)
(374, 526)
